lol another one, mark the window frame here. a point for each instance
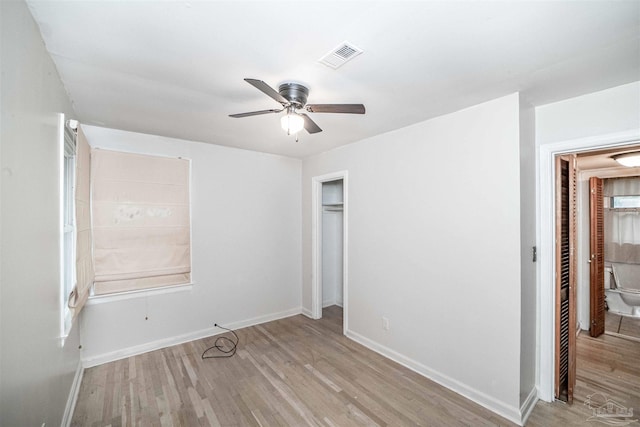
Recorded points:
(67, 184)
(625, 197)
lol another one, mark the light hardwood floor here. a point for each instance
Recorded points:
(298, 372)
(609, 365)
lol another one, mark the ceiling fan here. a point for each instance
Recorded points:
(293, 97)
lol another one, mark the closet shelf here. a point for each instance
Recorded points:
(333, 204)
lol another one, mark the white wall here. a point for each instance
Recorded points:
(606, 118)
(434, 246)
(528, 280)
(332, 286)
(600, 113)
(246, 250)
(36, 373)
(607, 112)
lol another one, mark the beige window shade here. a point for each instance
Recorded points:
(84, 261)
(141, 221)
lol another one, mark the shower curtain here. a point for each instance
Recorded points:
(622, 225)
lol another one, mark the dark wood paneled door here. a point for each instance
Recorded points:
(596, 245)
(565, 331)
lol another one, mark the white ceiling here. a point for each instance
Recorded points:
(602, 160)
(176, 68)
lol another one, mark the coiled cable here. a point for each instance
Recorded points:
(225, 345)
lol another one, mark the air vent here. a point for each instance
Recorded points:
(340, 55)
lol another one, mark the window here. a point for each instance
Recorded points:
(76, 259)
(141, 221)
(623, 202)
(68, 223)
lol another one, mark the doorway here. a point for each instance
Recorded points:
(547, 253)
(547, 226)
(329, 245)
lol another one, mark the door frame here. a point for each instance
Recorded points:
(545, 223)
(316, 243)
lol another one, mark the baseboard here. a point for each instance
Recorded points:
(307, 313)
(528, 405)
(180, 339)
(509, 412)
(326, 304)
(73, 396)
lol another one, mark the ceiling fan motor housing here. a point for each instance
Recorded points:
(295, 93)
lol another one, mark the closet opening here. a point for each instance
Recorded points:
(332, 249)
(329, 283)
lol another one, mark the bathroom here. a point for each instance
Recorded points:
(621, 203)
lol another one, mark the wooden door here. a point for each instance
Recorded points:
(596, 245)
(565, 332)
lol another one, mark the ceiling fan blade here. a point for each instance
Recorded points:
(267, 90)
(336, 108)
(309, 125)
(253, 113)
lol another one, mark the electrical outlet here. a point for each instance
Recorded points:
(385, 323)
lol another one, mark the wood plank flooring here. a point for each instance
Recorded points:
(299, 372)
(608, 365)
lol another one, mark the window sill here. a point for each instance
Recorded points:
(103, 299)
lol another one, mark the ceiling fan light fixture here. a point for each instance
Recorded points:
(293, 96)
(292, 123)
(628, 159)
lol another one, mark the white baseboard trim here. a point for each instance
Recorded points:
(528, 405)
(73, 396)
(307, 313)
(100, 359)
(326, 304)
(509, 412)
